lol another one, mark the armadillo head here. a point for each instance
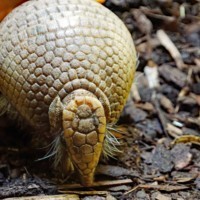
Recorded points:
(84, 125)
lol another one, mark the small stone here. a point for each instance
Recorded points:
(197, 183)
(182, 156)
(162, 159)
(95, 197)
(173, 75)
(141, 194)
(162, 197)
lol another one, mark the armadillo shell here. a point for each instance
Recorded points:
(50, 48)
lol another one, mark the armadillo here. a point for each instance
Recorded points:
(66, 67)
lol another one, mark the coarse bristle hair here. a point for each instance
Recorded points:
(58, 150)
(111, 143)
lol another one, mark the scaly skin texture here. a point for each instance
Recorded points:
(67, 65)
(84, 123)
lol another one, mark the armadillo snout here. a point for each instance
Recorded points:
(84, 125)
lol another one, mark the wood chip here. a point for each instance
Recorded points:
(134, 94)
(48, 197)
(170, 46)
(145, 106)
(166, 104)
(144, 24)
(166, 187)
(114, 171)
(162, 197)
(173, 75)
(186, 179)
(174, 131)
(151, 73)
(187, 139)
(97, 184)
(161, 115)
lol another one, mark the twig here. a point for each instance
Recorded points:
(134, 93)
(166, 187)
(161, 116)
(48, 197)
(97, 184)
(170, 46)
(104, 193)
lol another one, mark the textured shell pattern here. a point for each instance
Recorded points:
(50, 48)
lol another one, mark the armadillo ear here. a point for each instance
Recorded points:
(55, 114)
(3, 105)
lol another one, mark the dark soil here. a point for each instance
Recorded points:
(161, 151)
